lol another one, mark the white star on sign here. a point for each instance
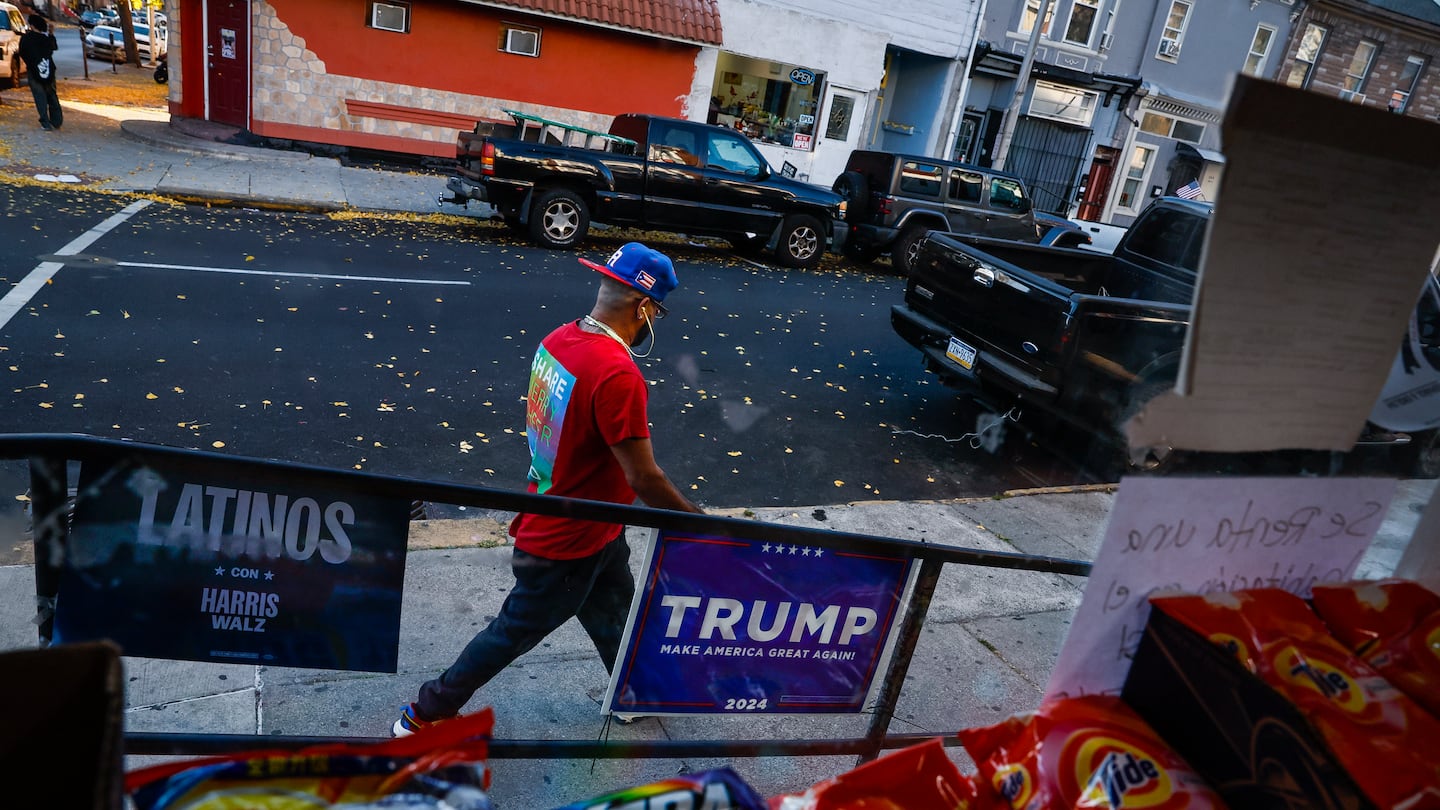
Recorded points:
(269, 574)
(805, 552)
(219, 572)
(819, 552)
(794, 549)
(765, 549)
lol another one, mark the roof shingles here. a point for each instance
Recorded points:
(691, 20)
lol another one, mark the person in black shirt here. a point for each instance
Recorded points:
(37, 48)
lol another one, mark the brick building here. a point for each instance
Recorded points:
(1379, 53)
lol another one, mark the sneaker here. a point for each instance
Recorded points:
(410, 722)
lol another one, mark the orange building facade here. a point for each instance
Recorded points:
(406, 76)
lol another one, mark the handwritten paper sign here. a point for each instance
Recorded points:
(1203, 535)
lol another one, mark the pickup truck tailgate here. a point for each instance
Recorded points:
(1013, 318)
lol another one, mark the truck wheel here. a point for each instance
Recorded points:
(801, 242)
(856, 190)
(906, 250)
(1144, 459)
(559, 219)
(1426, 456)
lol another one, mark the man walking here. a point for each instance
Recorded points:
(37, 49)
(589, 438)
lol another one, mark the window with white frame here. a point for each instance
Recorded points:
(1259, 50)
(1405, 85)
(1173, 33)
(1107, 37)
(1081, 28)
(1137, 174)
(1359, 70)
(1061, 103)
(519, 39)
(1307, 53)
(1031, 12)
(1169, 126)
(390, 17)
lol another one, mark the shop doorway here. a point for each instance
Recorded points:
(840, 132)
(227, 61)
(1097, 184)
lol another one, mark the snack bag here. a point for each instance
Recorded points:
(720, 789)
(1088, 752)
(439, 767)
(1387, 743)
(1392, 625)
(920, 777)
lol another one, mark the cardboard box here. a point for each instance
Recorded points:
(1255, 748)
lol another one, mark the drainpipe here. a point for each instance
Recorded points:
(1022, 81)
(1117, 179)
(955, 122)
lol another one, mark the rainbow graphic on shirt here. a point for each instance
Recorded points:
(550, 388)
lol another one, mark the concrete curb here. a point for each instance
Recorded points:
(163, 135)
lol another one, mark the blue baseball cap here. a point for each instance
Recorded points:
(645, 269)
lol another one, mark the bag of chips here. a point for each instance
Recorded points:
(1087, 752)
(1394, 626)
(442, 766)
(720, 789)
(1384, 740)
(920, 777)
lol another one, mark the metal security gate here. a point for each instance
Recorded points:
(1047, 156)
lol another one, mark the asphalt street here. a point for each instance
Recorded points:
(403, 347)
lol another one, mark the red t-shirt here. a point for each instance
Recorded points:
(585, 395)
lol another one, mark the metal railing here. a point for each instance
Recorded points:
(48, 455)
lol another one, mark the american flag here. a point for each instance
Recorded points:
(1189, 191)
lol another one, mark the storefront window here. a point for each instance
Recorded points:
(771, 102)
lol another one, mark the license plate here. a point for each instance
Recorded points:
(961, 353)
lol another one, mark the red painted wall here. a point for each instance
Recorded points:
(455, 47)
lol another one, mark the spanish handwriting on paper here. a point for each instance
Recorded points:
(1208, 536)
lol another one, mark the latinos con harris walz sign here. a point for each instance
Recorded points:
(197, 561)
(734, 625)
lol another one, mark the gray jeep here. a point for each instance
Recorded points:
(894, 199)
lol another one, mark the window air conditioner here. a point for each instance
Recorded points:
(1106, 40)
(1169, 48)
(525, 43)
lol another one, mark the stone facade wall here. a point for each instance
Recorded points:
(1396, 44)
(174, 89)
(290, 85)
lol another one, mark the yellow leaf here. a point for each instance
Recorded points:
(466, 447)
(249, 258)
(217, 445)
(177, 389)
(126, 314)
(733, 453)
(839, 483)
(445, 424)
(369, 335)
(341, 404)
(788, 450)
(152, 396)
(59, 336)
(181, 297)
(79, 396)
(47, 404)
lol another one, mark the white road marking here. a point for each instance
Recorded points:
(36, 280)
(240, 272)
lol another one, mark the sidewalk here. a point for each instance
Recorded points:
(987, 649)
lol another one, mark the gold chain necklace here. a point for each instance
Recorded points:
(611, 332)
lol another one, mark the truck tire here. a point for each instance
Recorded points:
(559, 218)
(906, 249)
(856, 190)
(802, 244)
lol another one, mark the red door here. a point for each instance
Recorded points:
(1097, 188)
(227, 59)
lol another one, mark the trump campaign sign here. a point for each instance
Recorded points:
(731, 625)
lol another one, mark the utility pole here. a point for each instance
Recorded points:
(1022, 81)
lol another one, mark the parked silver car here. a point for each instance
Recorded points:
(107, 42)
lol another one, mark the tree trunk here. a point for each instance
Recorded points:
(127, 27)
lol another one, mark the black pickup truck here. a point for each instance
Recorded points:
(647, 172)
(1082, 336)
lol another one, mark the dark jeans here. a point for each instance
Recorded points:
(595, 589)
(47, 103)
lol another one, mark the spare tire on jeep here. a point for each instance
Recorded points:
(856, 190)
